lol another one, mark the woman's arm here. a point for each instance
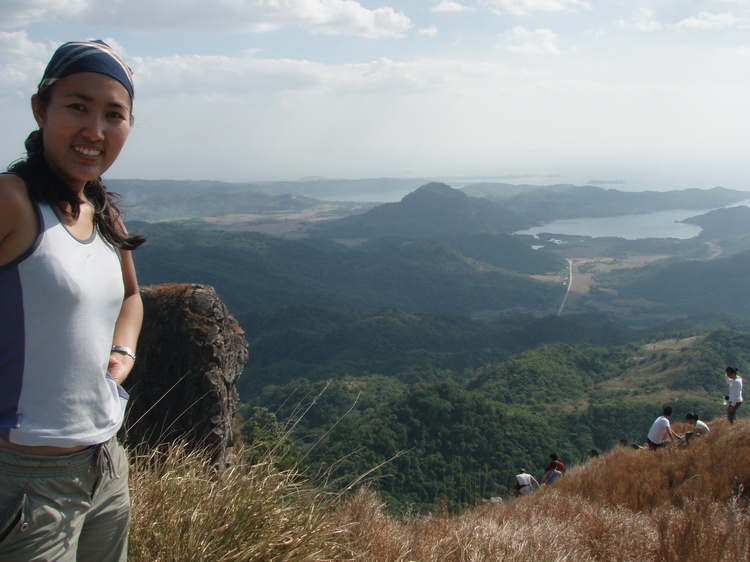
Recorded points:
(128, 325)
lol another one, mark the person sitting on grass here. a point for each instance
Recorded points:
(700, 428)
(661, 429)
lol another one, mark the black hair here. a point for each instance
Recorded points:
(45, 187)
(667, 410)
(732, 370)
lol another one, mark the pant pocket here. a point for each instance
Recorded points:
(12, 519)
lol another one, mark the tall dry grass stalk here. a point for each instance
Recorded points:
(183, 511)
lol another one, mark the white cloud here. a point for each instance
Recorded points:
(644, 20)
(18, 13)
(707, 20)
(22, 62)
(331, 17)
(224, 80)
(450, 6)
(213, 101)
(428, 31)
(538, 42)
(523, 7)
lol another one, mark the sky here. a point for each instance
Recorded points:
(634, 95)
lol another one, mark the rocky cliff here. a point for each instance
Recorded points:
(191, 352)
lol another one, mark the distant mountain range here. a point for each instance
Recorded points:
(428, 210)
(437, 250)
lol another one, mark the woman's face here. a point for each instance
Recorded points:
(85, 125)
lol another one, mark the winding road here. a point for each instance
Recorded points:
(570, 284)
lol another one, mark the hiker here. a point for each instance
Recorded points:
(734, 398)
(553, 474)
(699, 427)
(555, 462)
(661, 429)
(71, 314)
(523, 483)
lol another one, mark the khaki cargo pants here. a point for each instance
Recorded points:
(71, 508)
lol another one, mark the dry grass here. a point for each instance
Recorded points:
(687, 505)
(184, 511)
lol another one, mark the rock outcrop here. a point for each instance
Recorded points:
(191, 352)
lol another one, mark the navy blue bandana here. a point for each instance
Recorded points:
(87, 56)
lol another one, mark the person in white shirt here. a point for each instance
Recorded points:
(699, 427)
(660, 430)
(523, 483)
(735, 392)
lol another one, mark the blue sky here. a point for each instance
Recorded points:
(642, 94)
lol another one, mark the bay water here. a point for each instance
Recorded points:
(659, 224)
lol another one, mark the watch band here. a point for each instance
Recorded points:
(126, 350)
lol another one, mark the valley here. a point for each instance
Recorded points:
(425, 332)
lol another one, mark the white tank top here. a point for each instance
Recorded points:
(59, 302)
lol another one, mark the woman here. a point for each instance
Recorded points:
(71, 314)
(735, 393)
(699, 427)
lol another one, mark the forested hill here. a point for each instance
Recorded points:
(723, 223)
(317, 344)
(458, 435)
(434, 210)
(257, 272)
(690, 287)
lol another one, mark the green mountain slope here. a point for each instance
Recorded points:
(318, 344)
(456, 440)
(689, 287)
(252, 271)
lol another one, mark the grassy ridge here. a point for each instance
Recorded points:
(676, 504)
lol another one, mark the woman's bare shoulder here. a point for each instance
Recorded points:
(14, 199)
(17, 218)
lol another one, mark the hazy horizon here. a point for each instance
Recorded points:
(635, 96)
